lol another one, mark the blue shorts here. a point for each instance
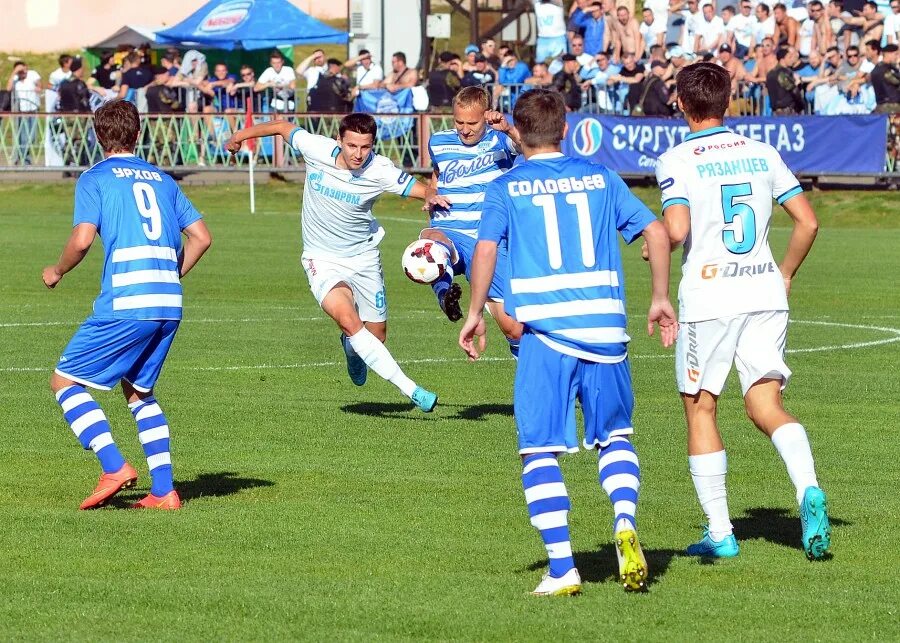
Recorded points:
(104, 351)
(465, 247)
(548, 48)
(546, 387)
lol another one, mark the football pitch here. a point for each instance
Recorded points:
(318, 510)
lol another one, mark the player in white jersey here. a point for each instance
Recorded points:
(344, 178)
(717, 190)
(481, 147)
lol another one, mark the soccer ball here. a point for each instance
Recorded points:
(425, 261)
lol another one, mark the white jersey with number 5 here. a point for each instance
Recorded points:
(728, 181)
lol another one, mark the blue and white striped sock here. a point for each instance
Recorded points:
(620, 477)
(153, 432)
(548, 506)
(90, 426)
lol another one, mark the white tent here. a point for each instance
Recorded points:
(132, 35)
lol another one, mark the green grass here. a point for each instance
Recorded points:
(317, 510)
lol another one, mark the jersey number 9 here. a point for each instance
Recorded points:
(145, 200)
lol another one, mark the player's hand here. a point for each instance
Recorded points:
(472, 328)
(645, 251)
(436, 202)
(496, 120)
(233, 146)
(51, 276)
(662, 313)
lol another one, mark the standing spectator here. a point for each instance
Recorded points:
(401, 76)
(310, 68)
(242, 91)
(766, 61)
(765, 23)
(675, 23)
(170, 63)
(733, 66)
(710, 31)
(627, 34)
(103, 75)
(784, 91)
(64, 72)
(215, 96)
(551, 29)
(660, 9)
(692, 17)
(191, 75)
(566, 83)
(742, 27)
(282, 81)
(786, 28)
(162, 99)
(483, 74)
(445, 81)
(629, 79)
(489, 51)
(585, 60)
(75, 97)
(600, 84)
(468, 64)
(823, 36)
(653, 31)
(332, 92)
(892, 24)
(511, 77)
(868, 25)
(886, 82)
(806, 33)
(134, 77)
(596, 35)
(368, 73)
(25, 87)
(540, 76)
(657, 97)
(573, 25)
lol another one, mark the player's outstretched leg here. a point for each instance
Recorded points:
(620, 478)
(92, 429)
(448, 293)
(153, 433)
(548, 506)
(356, 367)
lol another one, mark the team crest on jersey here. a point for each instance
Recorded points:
(699, 150)
(485, 146)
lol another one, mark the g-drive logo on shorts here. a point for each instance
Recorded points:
(693, 362)
(226, 16)
(587, 137)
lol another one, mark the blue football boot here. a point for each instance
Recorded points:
(814, 523)
(709, 548)
(424, 400)
(356, 367)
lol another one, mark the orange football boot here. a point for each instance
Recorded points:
(168, 501)
(109, 485)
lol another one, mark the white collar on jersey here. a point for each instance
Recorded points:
(120, 155)
(545, 155)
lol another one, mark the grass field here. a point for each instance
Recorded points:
(317, 510)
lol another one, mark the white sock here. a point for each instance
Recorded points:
(793, 447)
(379, 359)
(708, 472)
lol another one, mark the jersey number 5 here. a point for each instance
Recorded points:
(551, 224)
(745, 215)
(145, 199)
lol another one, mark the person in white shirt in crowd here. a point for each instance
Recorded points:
(892, 24)
(660, 9)
(310, 68)
(551, 29)
(765, 27)
(25, 86)
(282, 80)
(369, 74)
(807, 33)
(653, 31)
(605, 99)
(710, 31)
(692, 17)
(64, 72)
(740, 28)
(586, 63)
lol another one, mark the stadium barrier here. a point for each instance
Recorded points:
(196, 142)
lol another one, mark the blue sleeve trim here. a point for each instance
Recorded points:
(409, 187)
(335, 151)
(790, 194)
(675, 201)
(291, 137)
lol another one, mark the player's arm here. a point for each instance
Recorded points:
(429, 195)
(806, 227)
(282, 128)
(498, 122)
(661, 311)
(198, 242)
(75, 250)
(484, 262)
(677, 219)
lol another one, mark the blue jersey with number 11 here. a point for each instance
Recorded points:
(139, 212)
(561, 217)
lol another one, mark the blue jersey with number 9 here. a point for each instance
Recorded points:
(562, 218)
(139, 212)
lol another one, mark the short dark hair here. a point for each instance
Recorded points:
(782, 53)
(815, 3)
(704, 90)
(874, 44)
(364, 52)
(874, 5)
(133, 58)
(540, 117)
(220, 62)
(779, 6)
(399, 55)
(19, 63)
(276, 54)
(333, 61)
(64, 59)
(764, 7)
(117, 125)
(730, 8)
(359, 123)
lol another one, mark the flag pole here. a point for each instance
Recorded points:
(252, 185)
(251, 148)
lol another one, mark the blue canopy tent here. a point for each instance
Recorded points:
(250, 24)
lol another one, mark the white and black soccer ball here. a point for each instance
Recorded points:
(425, 261)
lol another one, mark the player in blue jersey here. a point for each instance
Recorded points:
(560, 217)
(140, 213)
(481, 147)
(717, 192)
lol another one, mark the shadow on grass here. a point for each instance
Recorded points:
(778, 526)
(602, 566)
(216, 485)
(401, 410)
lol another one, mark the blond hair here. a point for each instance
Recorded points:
(474, 96)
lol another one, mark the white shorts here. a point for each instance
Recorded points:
(362, 273)
(753, 342)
